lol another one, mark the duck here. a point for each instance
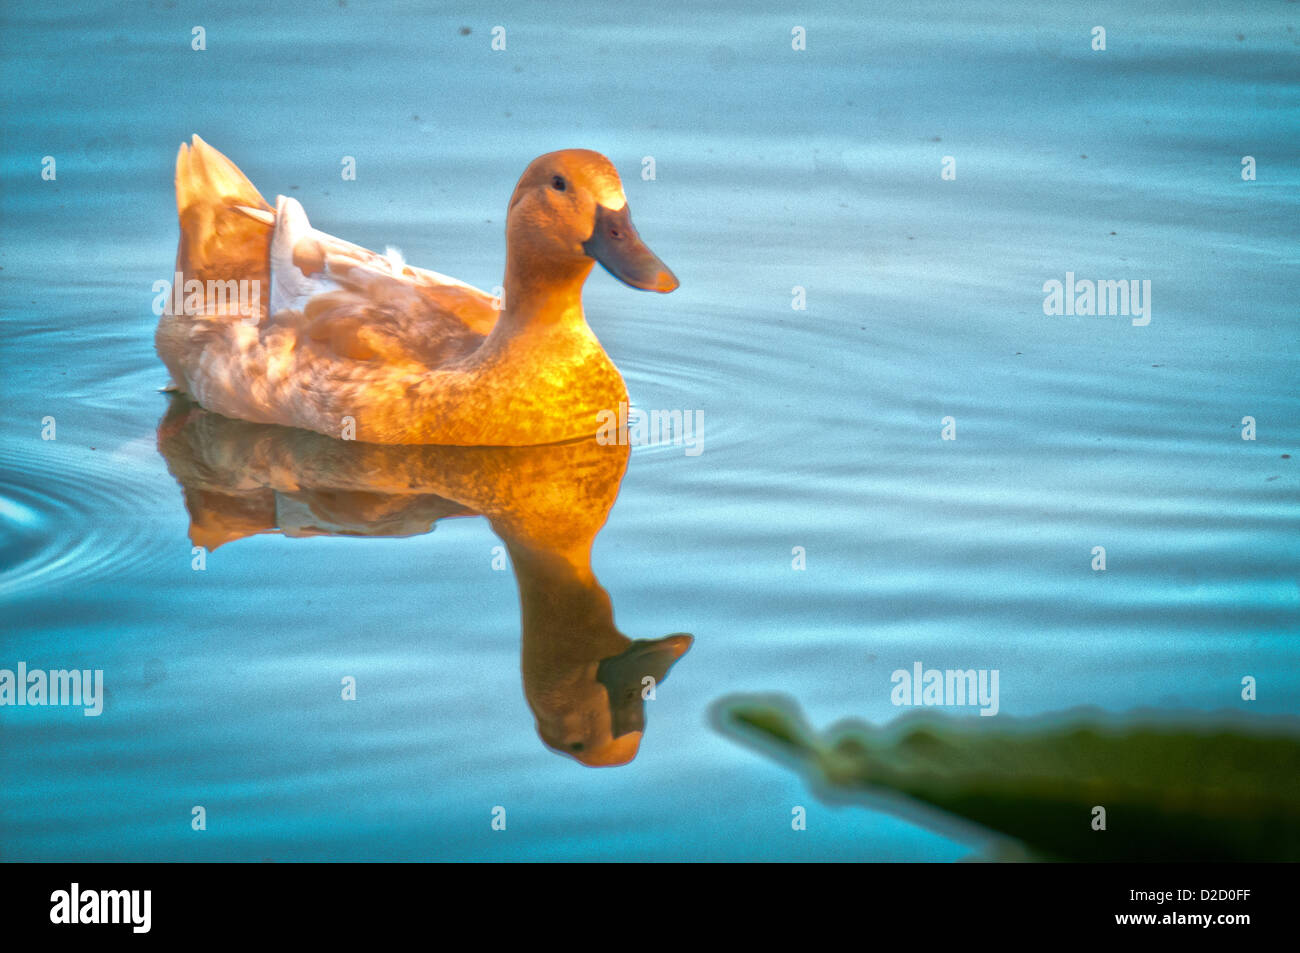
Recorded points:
(275, 322)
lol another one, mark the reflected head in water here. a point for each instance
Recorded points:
(585, 681)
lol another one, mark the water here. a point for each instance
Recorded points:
(774, 169)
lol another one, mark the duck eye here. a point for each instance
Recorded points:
(557, 183)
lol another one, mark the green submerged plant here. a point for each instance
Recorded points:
(1170, 786)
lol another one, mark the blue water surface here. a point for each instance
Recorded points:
(775, 169)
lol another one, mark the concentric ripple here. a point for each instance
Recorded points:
(69, 512)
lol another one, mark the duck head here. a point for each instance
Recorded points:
(569, 211)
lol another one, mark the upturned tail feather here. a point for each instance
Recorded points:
(226, 225)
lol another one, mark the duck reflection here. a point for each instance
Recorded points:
(583, 678)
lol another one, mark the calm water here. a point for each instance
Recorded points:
(774, 169)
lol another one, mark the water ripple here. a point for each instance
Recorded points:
(64, 514)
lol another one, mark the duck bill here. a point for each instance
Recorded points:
(616, 245)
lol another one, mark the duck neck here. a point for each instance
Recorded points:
(540, 294)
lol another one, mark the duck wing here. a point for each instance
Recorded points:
(360, 306)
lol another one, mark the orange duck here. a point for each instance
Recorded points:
(353, 344)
